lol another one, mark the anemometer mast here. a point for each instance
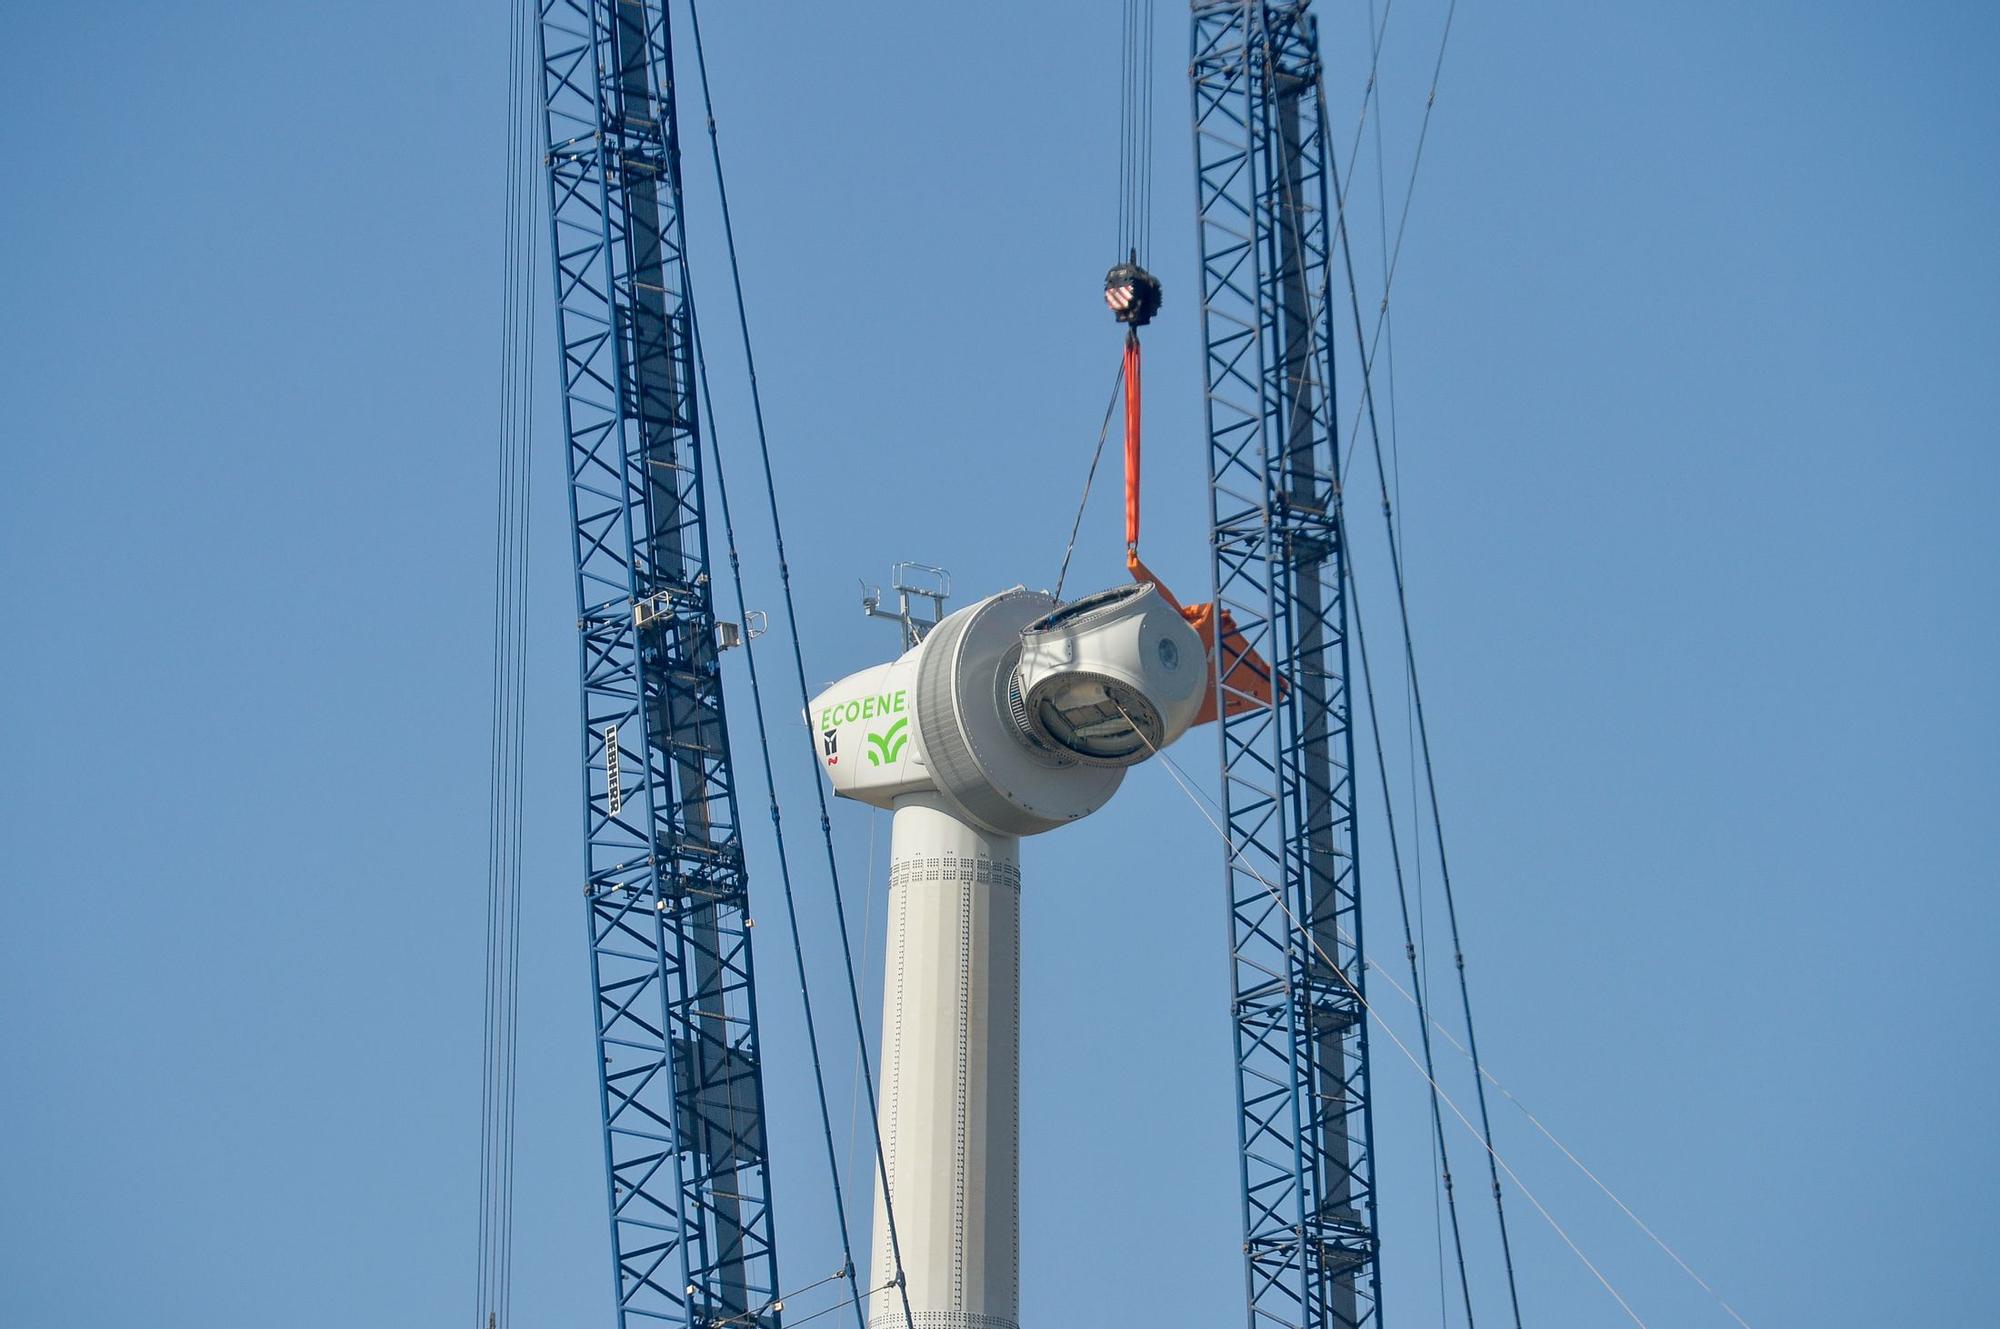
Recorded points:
(920, 580)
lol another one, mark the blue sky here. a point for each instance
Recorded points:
(1694, 396)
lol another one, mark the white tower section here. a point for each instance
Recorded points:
(951, 1071)
(1013, 717)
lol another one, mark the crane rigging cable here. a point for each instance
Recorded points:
(867, 965)
(1131, 292)
(1402, 224)
(1180, 778)
(1411, 951)
(1134, 296)
(499, 1037)
(1412, 995)
(1312, 323)
(1417, 946)
(1342, 192)
(1097, 455)
(799, 677)
(1135, 130)
(707, 398)
(1366, 352)
(847, 1270)
(1367, 349)
(1203, 802)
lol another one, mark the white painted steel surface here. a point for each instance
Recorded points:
(950, 1088)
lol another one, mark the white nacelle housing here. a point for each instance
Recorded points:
(1021, 714)
(1111, 678)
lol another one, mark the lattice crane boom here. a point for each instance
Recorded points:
(1301, 1042)
(680, 1083)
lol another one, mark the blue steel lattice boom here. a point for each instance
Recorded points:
(1304, 1125)
(680, 1083)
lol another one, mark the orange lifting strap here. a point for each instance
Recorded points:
(1246, 678)
(1132, 448)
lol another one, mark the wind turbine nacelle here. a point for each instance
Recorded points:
(1021, 714)
(1110, 679)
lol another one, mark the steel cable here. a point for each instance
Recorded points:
(1201, 799)
(1236, 856)
(771, 792)
(1410, 949)
(798, 660)
(1090, 476)
(499, 1057)
(867, 962)
(1135, 129)
(1314, 311)
(1403, 223)
(1436, 816)
(1365, 350)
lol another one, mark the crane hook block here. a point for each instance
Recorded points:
(1132, 293)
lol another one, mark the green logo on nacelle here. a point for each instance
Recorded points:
(885, 747)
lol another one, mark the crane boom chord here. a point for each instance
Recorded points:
(680, 1074)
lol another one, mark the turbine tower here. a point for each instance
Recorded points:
(1012, 717)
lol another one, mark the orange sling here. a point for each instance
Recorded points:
(1246, 678)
